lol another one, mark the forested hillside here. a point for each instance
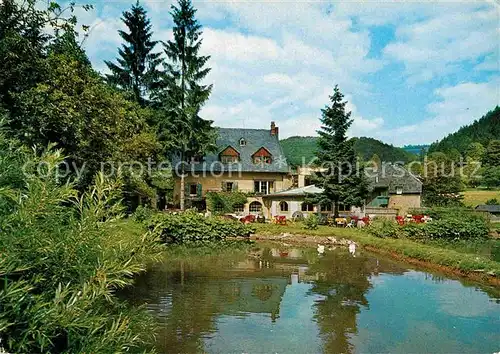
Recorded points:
(416, 149)
(302, 148)
(482, 131)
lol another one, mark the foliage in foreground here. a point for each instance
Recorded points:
(62, 261)
(192, 227)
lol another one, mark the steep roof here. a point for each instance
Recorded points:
(255, 139)
(392, 176)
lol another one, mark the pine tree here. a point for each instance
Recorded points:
(341, 177)
(136, 70)
(181, 94)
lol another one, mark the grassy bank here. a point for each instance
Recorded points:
(455, 257)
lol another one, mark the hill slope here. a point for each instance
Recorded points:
(482, 131)
(303, 148)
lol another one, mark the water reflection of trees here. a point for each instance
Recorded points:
(188, 296)
(343, 283)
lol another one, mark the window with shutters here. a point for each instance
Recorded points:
(192, 189)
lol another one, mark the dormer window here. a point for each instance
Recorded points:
(229, 155)
(243, 142)
(262, 156)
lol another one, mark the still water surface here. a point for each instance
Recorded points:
(283, 299)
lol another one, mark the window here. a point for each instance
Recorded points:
(239, 208)
(228, 159)
(255, 207)
(262, 156)
(196, 159)
(229, 186)
(262, 160)
(284, 206)
(343, 207)
(229, 155)
(326, 207)
(193, 189)
(399, 190)
(263, 187)
(243, 142)
(307, 207)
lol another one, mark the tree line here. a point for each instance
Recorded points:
(147, 107)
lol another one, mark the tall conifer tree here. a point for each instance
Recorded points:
(182, 93)
(342, 178)
(136, 70)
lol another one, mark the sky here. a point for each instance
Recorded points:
(412, 72)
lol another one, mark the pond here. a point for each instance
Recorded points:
(278, 298)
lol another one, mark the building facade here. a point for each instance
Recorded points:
(252, 161)
(247, 160)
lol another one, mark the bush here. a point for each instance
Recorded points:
(61, 262)
(493, 201)
(382, 227)
(311, 222)
(192, 227)
(464, 226)
(453, 229)
(143, 213)
(224, 202)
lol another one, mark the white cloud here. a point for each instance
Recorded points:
(457, 106)
(436, 45)
(279, 60)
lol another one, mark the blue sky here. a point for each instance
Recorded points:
(412, 71)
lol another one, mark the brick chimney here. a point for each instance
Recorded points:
(274, 129)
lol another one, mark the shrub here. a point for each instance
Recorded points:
(382, 227)
(224, 202)
(143, 213)
(454, 229)
(311, 222)
(192, 227)
(493, 201)
(62, 261)
(449, 229)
